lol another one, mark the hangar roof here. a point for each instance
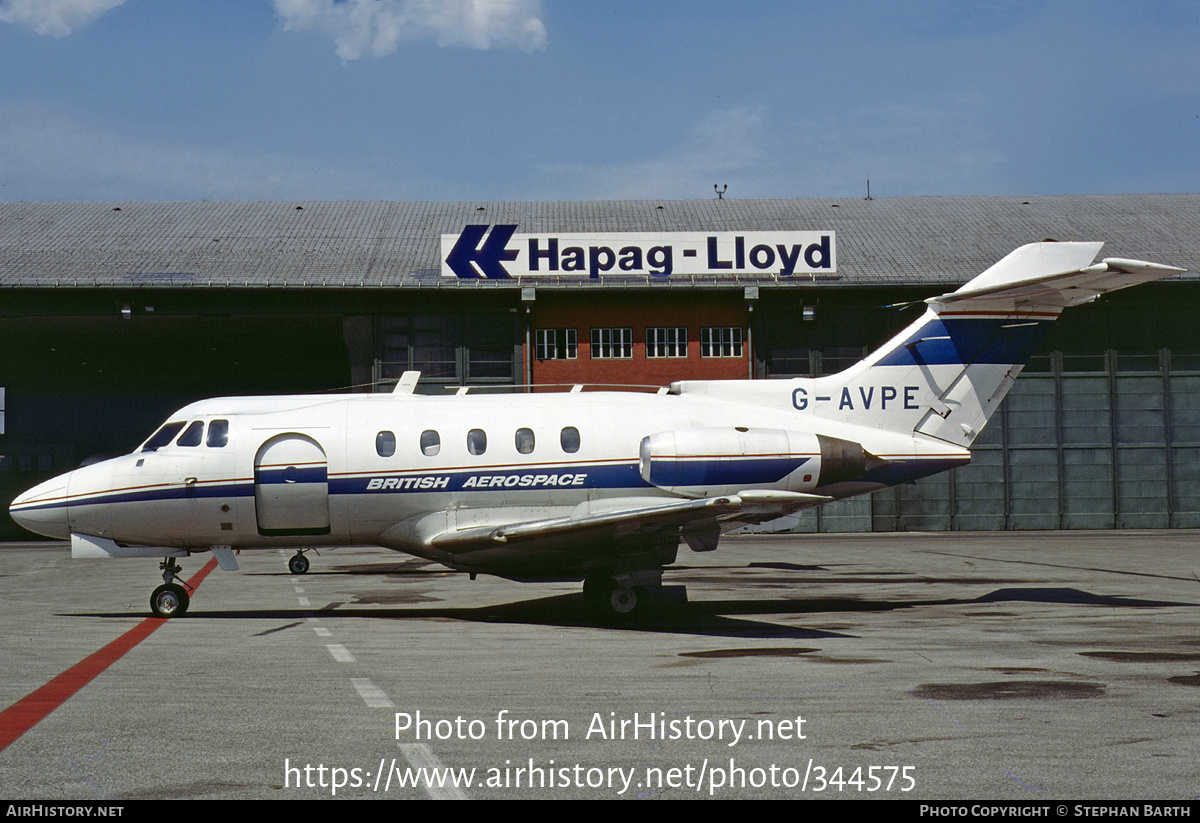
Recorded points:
(347, 244)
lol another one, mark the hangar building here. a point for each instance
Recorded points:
(114, 314)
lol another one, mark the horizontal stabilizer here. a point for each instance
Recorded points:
(1052, 276)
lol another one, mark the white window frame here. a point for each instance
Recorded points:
(666, 341)
(721, 341)
(612, 344)
(556, 344)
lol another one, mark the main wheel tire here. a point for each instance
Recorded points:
(623, 600)
(169, 600)
(298, 564)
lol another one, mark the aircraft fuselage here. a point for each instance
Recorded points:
(398, 471)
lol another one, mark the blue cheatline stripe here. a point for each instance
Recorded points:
(904, 470)
(684, 471)
(290, 475)
(172, 492)
(664, 472)
(574, 476)
(954, 340)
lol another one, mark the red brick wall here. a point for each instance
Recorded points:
(639, 310)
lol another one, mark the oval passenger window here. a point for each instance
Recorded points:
(431, 443)
(524, 441)
(385, 444)
(476, 441)
(569, 439)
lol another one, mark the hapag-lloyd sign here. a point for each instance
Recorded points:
(502, 253)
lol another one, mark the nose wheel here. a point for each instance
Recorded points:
(298, 563)
(170, 599)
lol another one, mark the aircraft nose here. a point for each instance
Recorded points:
(43, 509)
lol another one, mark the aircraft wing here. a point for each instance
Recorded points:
(698, 521)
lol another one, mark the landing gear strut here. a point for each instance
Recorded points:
(170, 599)
(298, 563)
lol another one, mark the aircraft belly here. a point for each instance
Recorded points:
(555, 558)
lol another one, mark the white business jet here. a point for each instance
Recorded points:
(598, 486)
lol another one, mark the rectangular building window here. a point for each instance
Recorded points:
(448, 348)
(666, 342)
(556, 344)
(721, 341)
(612, 343)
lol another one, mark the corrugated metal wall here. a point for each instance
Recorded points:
(1089, 442)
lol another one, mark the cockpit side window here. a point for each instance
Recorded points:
(193, 435)
(218, 434)
(163, 436)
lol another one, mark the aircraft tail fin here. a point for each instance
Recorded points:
(947, 372)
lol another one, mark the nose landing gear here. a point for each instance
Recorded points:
(170, 599)
(298, 564)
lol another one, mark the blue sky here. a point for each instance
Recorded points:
(566, 100)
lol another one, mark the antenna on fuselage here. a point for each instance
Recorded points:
(407, 383)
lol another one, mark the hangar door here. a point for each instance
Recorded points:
(291, 487)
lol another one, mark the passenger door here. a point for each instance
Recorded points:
(291, 486)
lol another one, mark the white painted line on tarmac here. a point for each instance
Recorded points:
(322, 631)
(340, 653)
(421, 756)
(371, 694)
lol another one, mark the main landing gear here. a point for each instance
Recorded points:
(170, 599)
(298, 563)
(628, 595)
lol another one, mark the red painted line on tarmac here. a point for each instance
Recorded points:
(33, 708)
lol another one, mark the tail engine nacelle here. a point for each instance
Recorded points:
(704, 462)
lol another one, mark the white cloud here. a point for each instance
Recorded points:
(376, 28)
(725, 147)
(945, 146)
(49, 155)
(56, 17)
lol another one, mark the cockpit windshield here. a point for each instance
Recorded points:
(163, 436)
(193, 435)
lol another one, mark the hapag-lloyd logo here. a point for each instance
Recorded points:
(502, 253)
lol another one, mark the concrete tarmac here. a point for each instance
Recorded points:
(950, 666)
